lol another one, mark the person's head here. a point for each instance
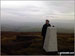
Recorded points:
(47, 21)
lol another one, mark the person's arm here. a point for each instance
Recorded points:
(50, 25)
(42, 30)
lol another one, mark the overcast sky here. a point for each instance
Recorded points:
(37, 11)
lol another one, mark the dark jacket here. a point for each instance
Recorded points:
(44, 29)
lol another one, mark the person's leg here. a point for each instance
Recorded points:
(43, 41)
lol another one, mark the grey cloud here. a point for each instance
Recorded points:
(58, 12)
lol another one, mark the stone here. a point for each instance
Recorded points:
(50, 44)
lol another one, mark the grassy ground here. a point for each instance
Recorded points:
(30, 43)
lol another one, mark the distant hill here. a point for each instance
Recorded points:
(37, 27)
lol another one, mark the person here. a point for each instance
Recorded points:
(44, 29)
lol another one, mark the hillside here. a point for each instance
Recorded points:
(30, 43)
